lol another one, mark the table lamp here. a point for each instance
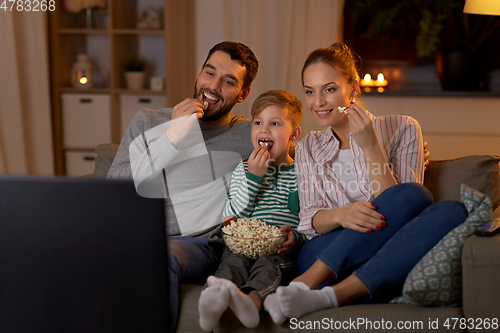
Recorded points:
(483, 7)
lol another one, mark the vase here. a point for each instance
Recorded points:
(460, 71)
(135, 80)
(100, 18)
(88, 18)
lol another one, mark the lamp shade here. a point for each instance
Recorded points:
(485, 7)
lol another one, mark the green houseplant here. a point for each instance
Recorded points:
(134, 71)
(442, 31)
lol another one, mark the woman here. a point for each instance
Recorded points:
(365, 231)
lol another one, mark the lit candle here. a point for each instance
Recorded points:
(367, 81)
(381, 81)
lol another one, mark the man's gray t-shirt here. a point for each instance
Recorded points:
(194, 177)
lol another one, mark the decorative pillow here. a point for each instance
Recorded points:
(481, 172)
(436, 280)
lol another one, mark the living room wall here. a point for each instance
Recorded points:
(285, 31)
(282, 33)
(454, 126)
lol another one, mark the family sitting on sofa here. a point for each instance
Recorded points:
(363, 209)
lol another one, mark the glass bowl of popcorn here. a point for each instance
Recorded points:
(252, 238)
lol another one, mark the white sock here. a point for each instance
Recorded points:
(215, 281)
(297, 299)
(241, 304)
(211, 305)
(272, 306)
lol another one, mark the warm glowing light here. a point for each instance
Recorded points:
(484, 7)
(83, 80)
(368, 83)
(381, 81)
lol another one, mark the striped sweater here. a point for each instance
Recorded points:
(273, 199)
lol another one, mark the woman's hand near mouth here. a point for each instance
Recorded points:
(362, 128)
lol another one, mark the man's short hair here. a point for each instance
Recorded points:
(240, 52)
(280, 98)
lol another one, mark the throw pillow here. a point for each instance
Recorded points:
(436, 280)
(481, 172)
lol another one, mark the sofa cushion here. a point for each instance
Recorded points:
(367, 315)
(436, 280)
(480, 172)
(481, 269)
(105, 155)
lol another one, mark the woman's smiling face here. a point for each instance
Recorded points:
(325, 90)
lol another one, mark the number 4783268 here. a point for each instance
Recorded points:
(28, 5)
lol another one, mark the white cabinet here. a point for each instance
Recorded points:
(86, 120)
(79, 163)
(130, 104)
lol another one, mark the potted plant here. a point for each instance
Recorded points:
(442, 31)
(134, 71)
(95, 12)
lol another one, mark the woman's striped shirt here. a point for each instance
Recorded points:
(319, 188)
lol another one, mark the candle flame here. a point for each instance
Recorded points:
(367, 77)
(380, 77)
(83, 80)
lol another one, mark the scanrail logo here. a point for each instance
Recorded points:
(195, 179)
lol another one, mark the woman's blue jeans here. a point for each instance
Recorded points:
(381, 260)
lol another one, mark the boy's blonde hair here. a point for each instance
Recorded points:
(280, 98)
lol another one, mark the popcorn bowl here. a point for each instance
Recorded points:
(251, 237)
(253, 247)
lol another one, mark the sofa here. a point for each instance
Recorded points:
(480, 260)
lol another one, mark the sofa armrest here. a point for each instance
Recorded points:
(105, 155)
(481, 269)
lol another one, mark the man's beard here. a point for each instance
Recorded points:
(221, 112)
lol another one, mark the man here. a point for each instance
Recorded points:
(171, 155)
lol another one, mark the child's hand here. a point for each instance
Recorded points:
(289, 241)
(258, 161)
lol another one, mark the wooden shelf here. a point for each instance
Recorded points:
(138, 32)
(70, 31)
(169, 50)
(138, 92)
(93, 90)
(87, 149)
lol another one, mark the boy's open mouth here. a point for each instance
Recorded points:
(209, 100)
(266, 143)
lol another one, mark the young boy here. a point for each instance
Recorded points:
(264, 188)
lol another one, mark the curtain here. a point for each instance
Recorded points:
(282, 33)
(25, 110)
